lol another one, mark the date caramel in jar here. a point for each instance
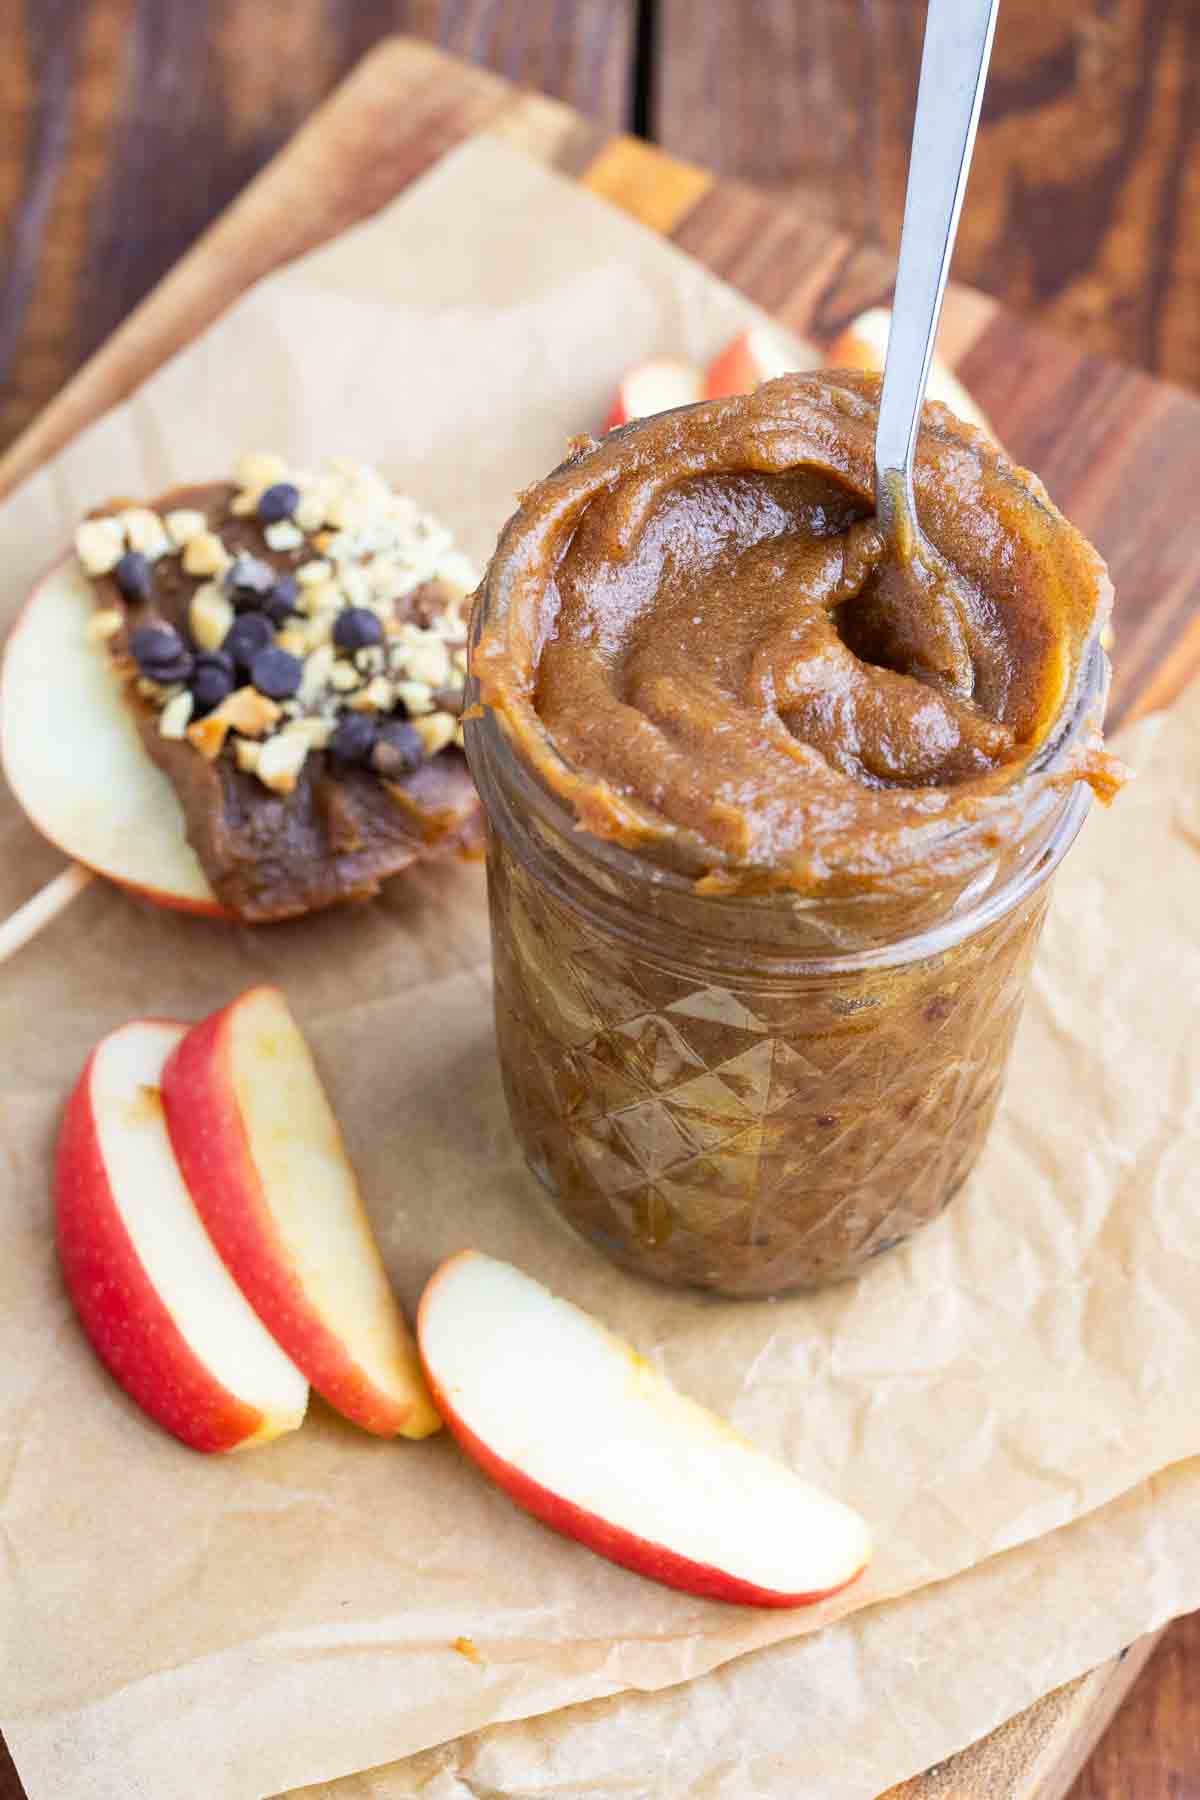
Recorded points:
(772, 810)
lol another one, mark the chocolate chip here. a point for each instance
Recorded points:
(357, 629)
(399, 749)
(354, 738)
(249, 633)
(278, 502)
(280, 603)
(216, 659)
(276, 673)
(160, 653)
(211, 683)
(248, 581)
(134, 576)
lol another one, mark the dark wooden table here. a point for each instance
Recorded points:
(126, 125)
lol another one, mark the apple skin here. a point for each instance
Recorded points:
(130, 1328)
(754, 356)
(656, 385)
(614, 1542)
(49, 630)
(611, 1541)
(863, 345)
(211, 1143)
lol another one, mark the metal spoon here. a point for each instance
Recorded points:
(954, 64)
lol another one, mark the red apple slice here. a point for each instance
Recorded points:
(262, 1154)
(655, 386)
(153, 1295)
(585, 1435)
(73, 758)
(863, 345)
(755, 356)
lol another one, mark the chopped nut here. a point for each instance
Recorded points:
(145, 531)
(428, 662)
(417, 697)
(310, 513)
(459, 659)
(99, 545)
(372, 660)
(104, 624)
(248, 711)
(174, 717)
(319, 630)
(184, 524)
(324, 541)
(345, 677)
(325, 596)
(246, 754)
(242, 505)
(259, 469)
(348, 509)
(315, 732)
(208, 735)
(205, 554)
(379, 695)
(150, 690)
(210, 615)
(355, 585)
(283, 535)
(386, 578)
(317, 670)
(436, 730)
(281, 760)
(293, 639)
(312, 574)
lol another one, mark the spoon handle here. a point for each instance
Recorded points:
(954, 62)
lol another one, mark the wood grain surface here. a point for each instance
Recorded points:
(1117, 450)
(1084, 204)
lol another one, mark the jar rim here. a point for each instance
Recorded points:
(492, 758)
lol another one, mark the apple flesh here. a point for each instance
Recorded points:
(587, 1436)
(154, 1297)
(863, 345)
(755, 356)
(655, 386)
(264, 1160)
(73, 757)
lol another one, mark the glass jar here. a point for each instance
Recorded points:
(752, 1095)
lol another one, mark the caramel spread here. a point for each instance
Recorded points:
(702, 641)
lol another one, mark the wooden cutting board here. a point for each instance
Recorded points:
(1117, 450)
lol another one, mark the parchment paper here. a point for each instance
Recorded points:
(290, 1615)
(846, 1713)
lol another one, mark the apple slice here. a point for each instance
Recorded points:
(156, 1300)
(863, 345)
(655, 386)
(264, 1160)
(585, 1435)
(73, 758)
(755, 356)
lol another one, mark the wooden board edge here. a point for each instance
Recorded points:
(1037, 1754)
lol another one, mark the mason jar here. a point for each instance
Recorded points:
(752, 1094)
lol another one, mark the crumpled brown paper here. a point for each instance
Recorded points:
(284, 1617)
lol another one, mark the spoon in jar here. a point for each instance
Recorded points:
(954, 64)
